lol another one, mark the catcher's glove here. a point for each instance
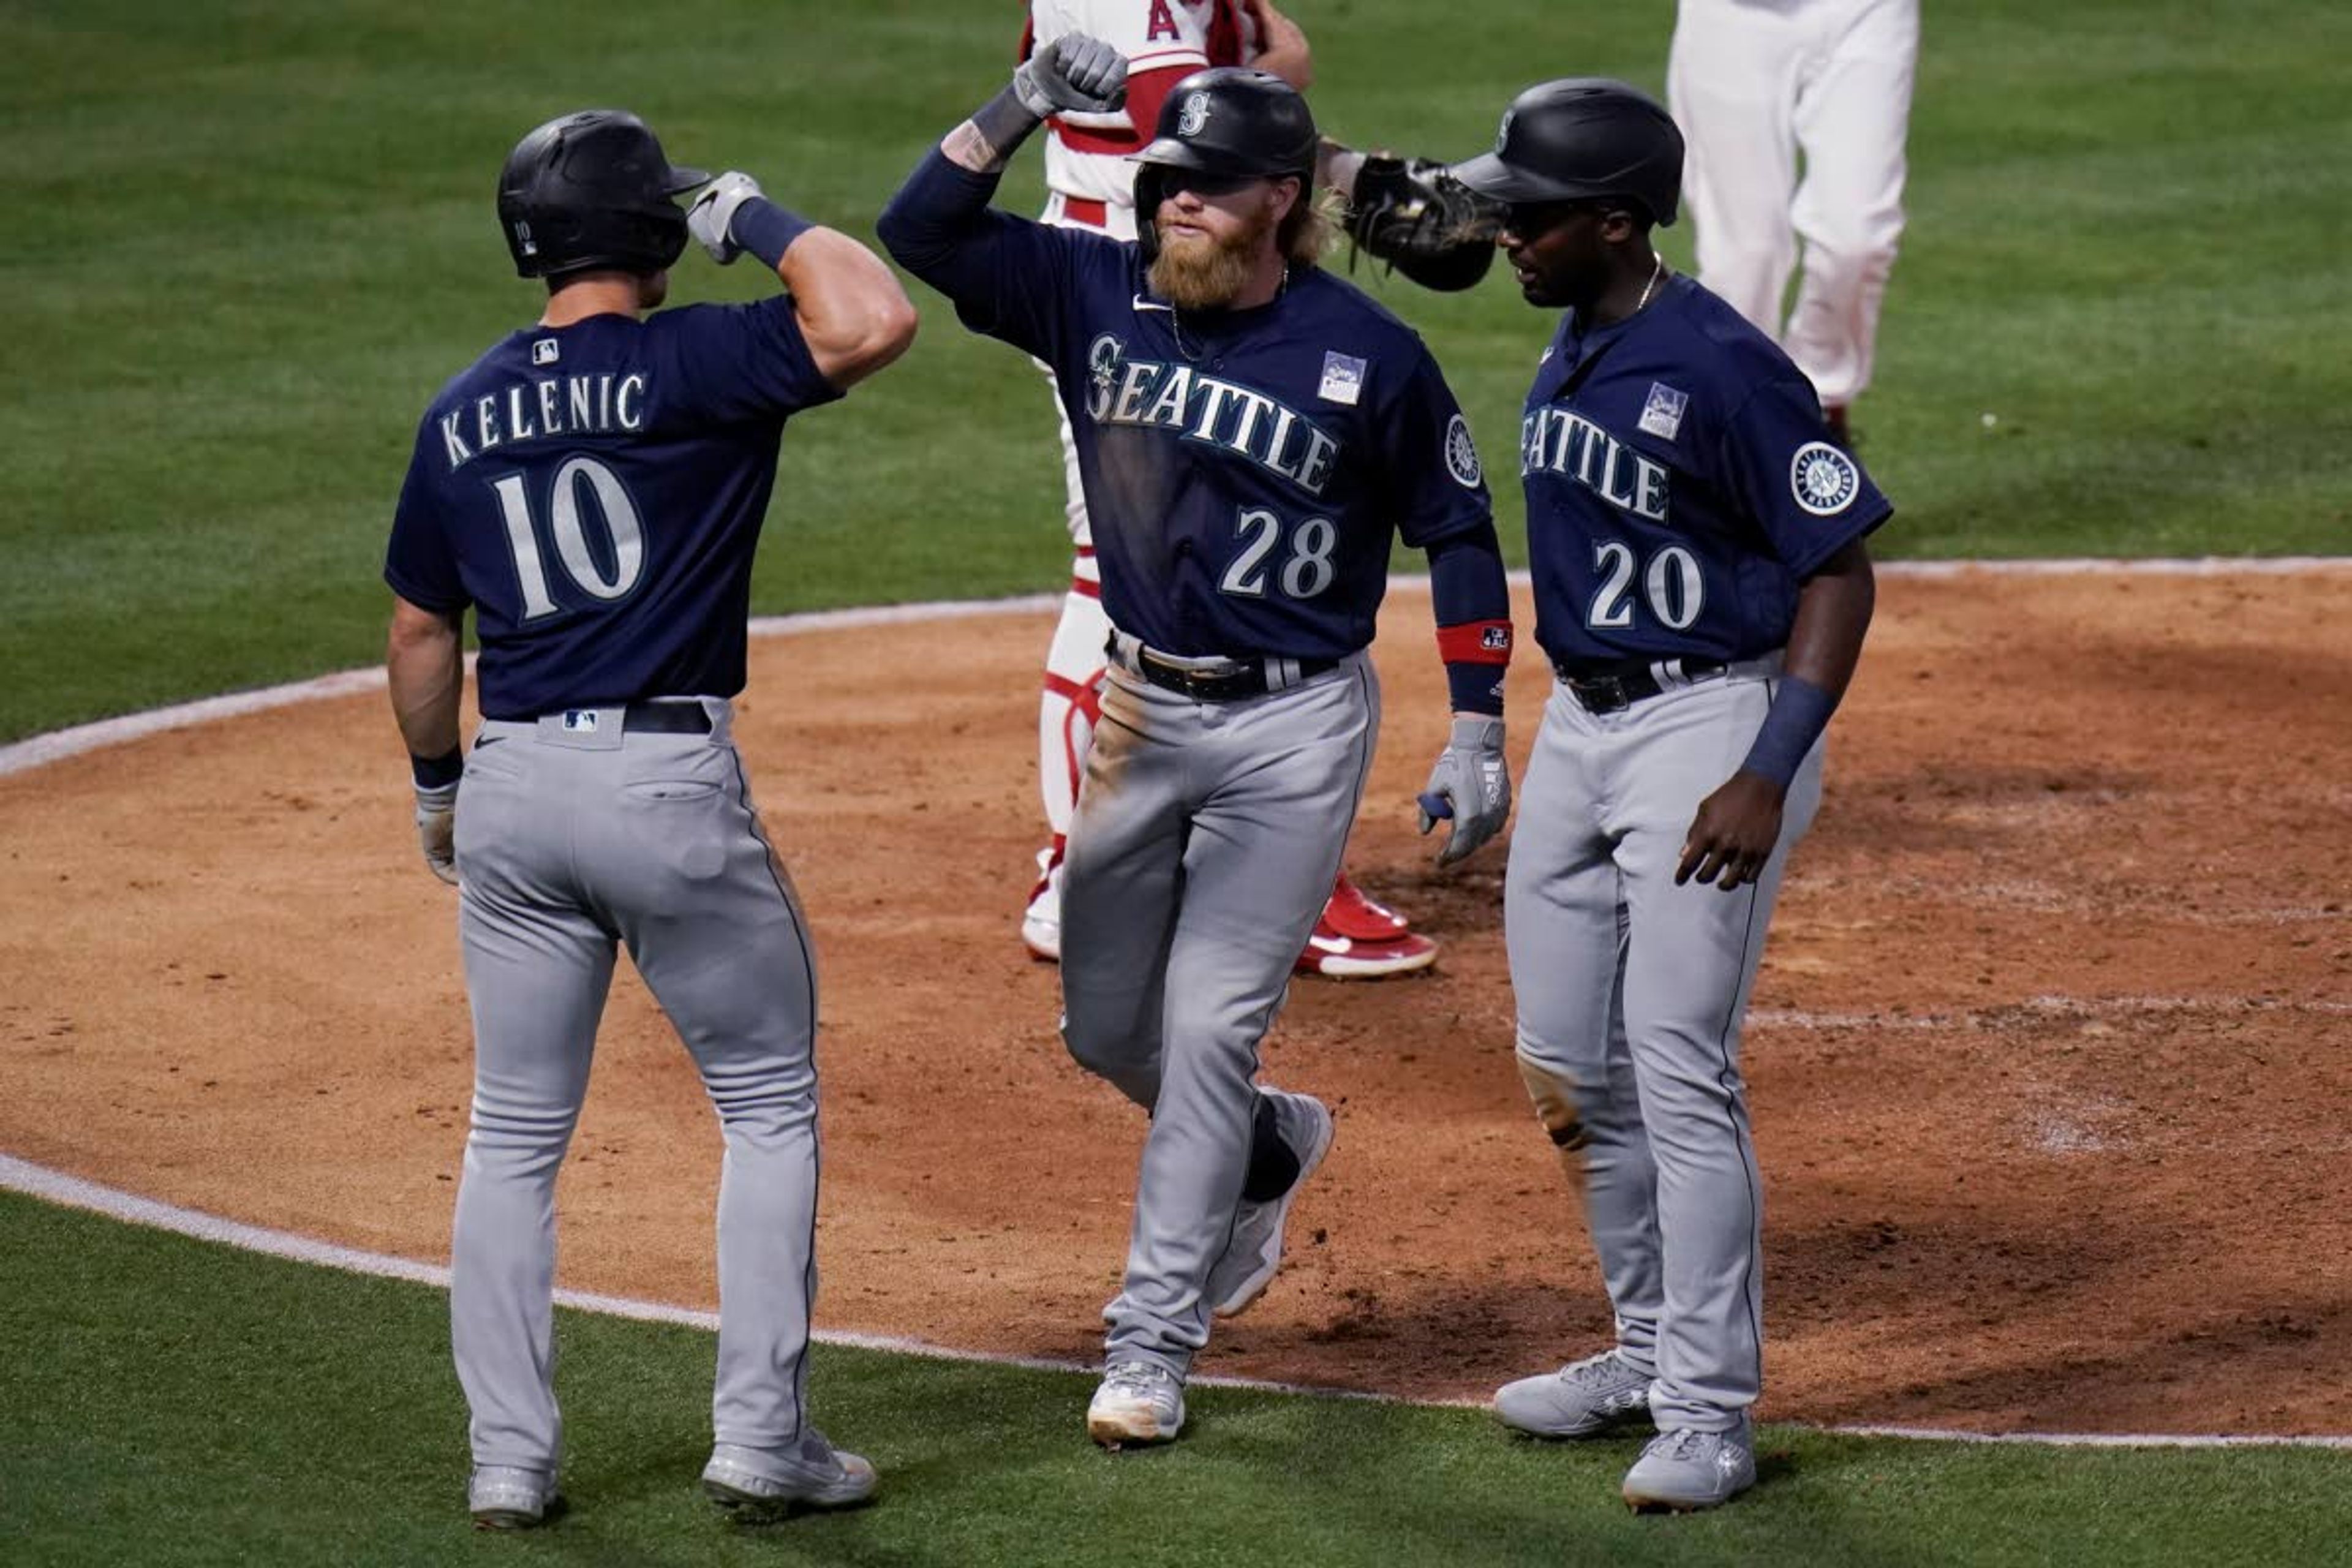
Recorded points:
(1420, 220)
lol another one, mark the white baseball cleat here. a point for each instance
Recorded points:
(1582, 1399)
(508, 1497)
(1685, 1469)
(1252, 1255)
(1041, 923)
(1137, 1402)
(754, 1484)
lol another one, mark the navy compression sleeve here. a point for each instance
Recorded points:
(1472, 603)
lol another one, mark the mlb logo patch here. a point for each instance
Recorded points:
(546, 351)
(1343, 379)
(580, 720)
(1661, 416)
(1496, 640)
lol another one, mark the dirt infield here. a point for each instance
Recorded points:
(2049, 1055)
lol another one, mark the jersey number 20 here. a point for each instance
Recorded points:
(625, 535)
(1308, 571)
(1671, 584)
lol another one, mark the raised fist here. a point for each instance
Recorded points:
(1075, 73)
(712, 216)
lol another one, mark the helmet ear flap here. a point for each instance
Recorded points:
(1149, 194)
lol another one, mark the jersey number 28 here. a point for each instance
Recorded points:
(1305, 573)
(1671, 584)
(625, 535)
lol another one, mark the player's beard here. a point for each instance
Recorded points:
(1202, 272)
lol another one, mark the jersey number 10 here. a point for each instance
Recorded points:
(625, 536)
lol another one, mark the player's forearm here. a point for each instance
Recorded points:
(853, 314)
(1283, 48)
(986, 142)
(424, 667)
(1833, 610)
(942, 206)
(1472, 599)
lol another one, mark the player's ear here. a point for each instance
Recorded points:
(1282, 194)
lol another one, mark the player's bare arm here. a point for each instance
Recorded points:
(424, 665)
(1283, 48)
(1737, 827)
(853, 314)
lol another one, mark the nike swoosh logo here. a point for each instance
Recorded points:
(487, 740)
(1333, 945)
(1143, 304)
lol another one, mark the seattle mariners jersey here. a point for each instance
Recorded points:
(588, 489)
(1246, 469)
(1678, 488)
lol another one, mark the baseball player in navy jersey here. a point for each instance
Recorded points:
(1702, 592)
(1755, 82)
(1090, 185)
(1252, 434)
(592, 487)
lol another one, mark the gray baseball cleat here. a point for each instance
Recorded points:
(757, 1484)
(1582, 1399)
(1685, 1469)
(508, 1497)
(1252, 1254)
(1137, 1403)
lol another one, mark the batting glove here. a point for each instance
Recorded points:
(1470, 786)
(711, 219)
(1074, 73)
(436, 829)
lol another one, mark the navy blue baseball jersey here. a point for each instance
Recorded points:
(595, 492)
(1245, 471)
(1680, 485)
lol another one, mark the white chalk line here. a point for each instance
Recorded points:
(73, 1192)
(59, 744)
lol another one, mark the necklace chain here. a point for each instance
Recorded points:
(1655, 273)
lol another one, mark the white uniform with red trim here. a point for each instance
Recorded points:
(1752, 83)
(1090, 185)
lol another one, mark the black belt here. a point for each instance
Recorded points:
(1601, 687)
(1247, 678)
(668, 719)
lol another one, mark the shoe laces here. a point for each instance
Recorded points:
(1685, 1444)
(1137, 1378)
(1599, 1371)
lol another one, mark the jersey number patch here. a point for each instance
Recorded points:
(1671, 584)
(1308, 571)
(624, 542)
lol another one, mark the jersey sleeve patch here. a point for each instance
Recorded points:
(1823, 480)
(1462, 455)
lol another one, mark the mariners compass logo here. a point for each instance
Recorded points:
(1462, 455)
(1824, 480)
(1194, 115)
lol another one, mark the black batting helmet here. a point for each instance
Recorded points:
(1227, 120)
(591, 190)
(1582, 137)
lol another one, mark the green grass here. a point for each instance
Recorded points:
(171, 1402)
(248, 241)
(251, 241)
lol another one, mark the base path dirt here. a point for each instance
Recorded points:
(2049, 1055)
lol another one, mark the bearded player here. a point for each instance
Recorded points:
(1253, 434)
(1090, 187)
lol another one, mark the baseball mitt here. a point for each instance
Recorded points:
(1423, 222)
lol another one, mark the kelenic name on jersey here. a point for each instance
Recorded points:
(1209, 409)
(555, 406)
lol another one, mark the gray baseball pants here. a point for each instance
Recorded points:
(1631, 993)
(569, 842)
(1203, 847)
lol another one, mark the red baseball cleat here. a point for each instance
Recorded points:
(1357, 939)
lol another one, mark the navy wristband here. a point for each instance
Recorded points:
(437, 772)
(1476, 687)
(767, 230)
(1800, 711)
